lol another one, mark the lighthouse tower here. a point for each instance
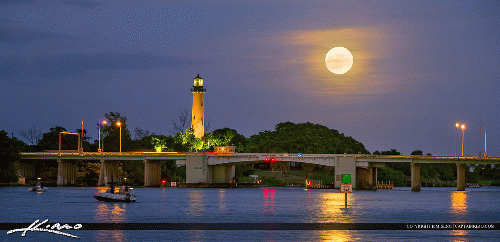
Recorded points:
(198, 115)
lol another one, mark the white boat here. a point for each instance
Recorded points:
(474, 185)
(37, 188)
(125, 194)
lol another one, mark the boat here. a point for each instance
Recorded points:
(125, 194)
(473, 185)
(38, 188)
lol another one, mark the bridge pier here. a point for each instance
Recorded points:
(152, 173)
(196, 168)
(366, 178)
(223, 173)
(461, 177)
(27, 170)
(415, 177)
(109, 172)
(66, 172)
(345, 165)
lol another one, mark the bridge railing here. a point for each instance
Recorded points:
(428, 157)
(104, 153)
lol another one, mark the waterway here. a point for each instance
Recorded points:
(254, 205)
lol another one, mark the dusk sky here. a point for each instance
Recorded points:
(418, 67)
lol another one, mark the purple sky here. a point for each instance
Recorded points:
(419, 67)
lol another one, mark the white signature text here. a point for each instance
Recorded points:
(48, 228)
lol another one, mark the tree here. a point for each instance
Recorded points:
(32, 135)
(112, 133)
(161, 142)
(140, 133)
(50, 140)
(9, 155)
(180, 124)
(187, 141)
(225, 136)
(417, 152)
(391, 152)
(306, 138)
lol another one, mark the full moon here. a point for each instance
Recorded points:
(338, 60)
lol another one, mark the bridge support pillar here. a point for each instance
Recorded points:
(66, 172)
(415, 177)
(27, 170)
(366, 178)
(109, 172)
(223, 173)
(152, 173)
(197, 170)
(461, 177)
(345, 165)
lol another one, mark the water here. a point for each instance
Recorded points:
(254, 205)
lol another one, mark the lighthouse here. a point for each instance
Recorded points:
(197, 114)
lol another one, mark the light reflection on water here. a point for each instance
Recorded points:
(459, 202)
(110, 213)
(332, 208)
(268, 200)
(222, 200)
(458, 206)
(195, 202)
(335, 235)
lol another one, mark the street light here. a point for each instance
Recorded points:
(461, 126)
(120, 124)
(103, 122)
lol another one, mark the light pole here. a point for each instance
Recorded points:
(120, 124)
(461, 126)
(103, 122)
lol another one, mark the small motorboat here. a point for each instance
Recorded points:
(476, 185)
(124, 194)
(38, 188)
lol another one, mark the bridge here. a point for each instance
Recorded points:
(219, 167)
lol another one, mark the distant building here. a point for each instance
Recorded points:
(224, 149)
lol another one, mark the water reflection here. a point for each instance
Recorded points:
(459, 202)
(195, 202)
(268, 200)
(335, 235)
(332, 207)
(459, 207)
(458, 233)
(110, 235)
(110, 212)
(222, 201)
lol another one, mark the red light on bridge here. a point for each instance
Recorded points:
(270, 159)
